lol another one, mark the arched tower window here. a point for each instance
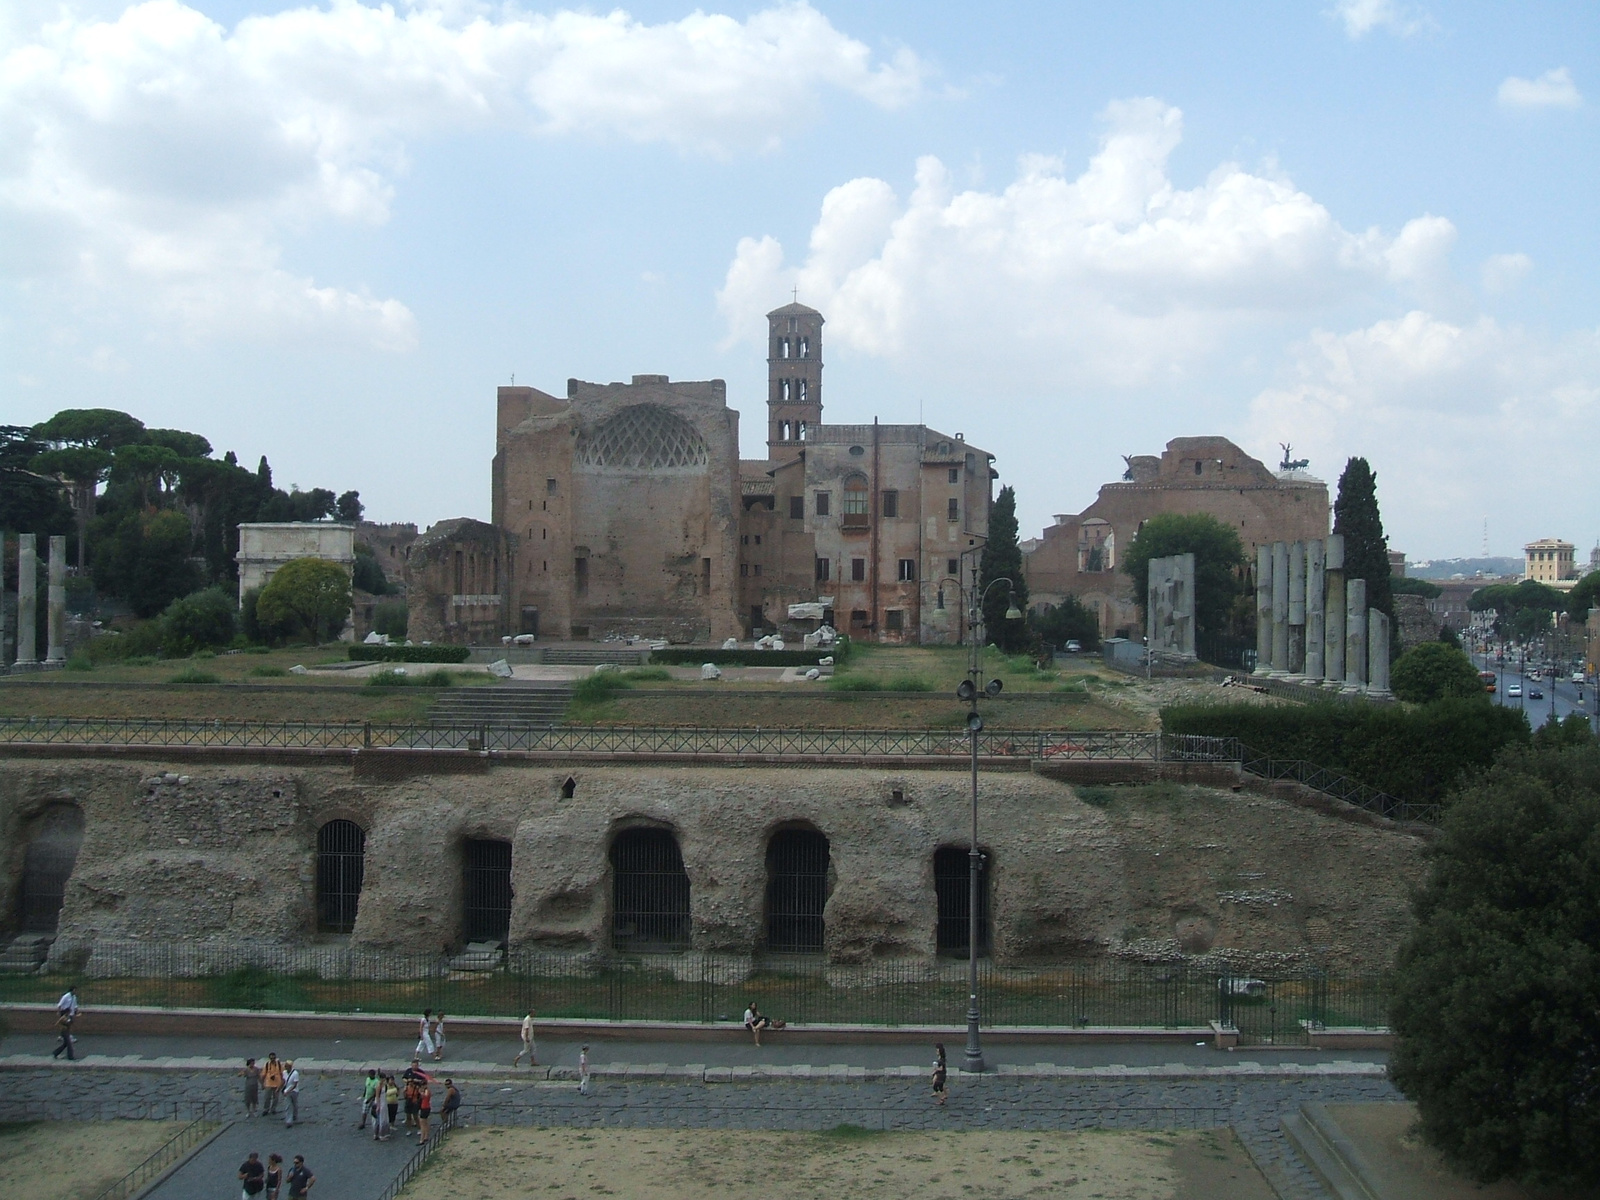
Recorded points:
(783, 390)
(341, 867)
(805, 347)
(485, 890)
(649, 892)
(47, 864)
(951, 883)
(797, 890)
(802, 391)
(785, 350)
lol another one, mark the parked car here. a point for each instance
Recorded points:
(1074, 646)
(1514, 691)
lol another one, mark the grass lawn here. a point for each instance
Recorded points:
(500, 1163)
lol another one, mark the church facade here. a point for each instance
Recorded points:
(624, 508)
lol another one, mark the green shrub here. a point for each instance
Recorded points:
(388, 678)
(192, 675)
(435, 679)
(268, 672)
(1417, 754)
(139, 660)
(646, 675)
(600, 687)
(410, 654)
(877, 683)
(1433, 670)
(390, 618)
(80, 662)
(198, 621)
(140, 640)
(677, 657)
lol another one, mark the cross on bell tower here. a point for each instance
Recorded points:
(794, 378)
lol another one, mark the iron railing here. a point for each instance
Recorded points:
(173, 1150)
(701, 988)
(1340, 787)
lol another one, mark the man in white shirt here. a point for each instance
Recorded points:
(528, 1047)
(68, 1004)
(291, 1093)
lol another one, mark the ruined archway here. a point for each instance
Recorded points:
(47, 864)
(797, 890)
(951, 885)
(341, 869)
(649, 892)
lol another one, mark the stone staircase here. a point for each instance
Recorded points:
(25, 954)
(507, 704)
(582, 656)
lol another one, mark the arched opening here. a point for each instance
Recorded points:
(341, 867)
(649, 892)
(47, 865)
(485, 890)
(951, 867)
(797, 890)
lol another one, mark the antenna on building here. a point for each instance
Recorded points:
(513, 377)
(1486, 537)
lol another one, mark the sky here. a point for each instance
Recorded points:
(1070, 231)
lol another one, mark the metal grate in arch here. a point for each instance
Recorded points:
(951, 875)
(797, 890)
(486, 890)
(649, 892)
(47, 865)
(341, 867)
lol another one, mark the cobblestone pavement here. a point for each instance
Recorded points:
(1253, 1106)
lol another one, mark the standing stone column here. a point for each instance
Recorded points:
(1263, 610)
(56, 617)
(1377, 654)
(1280, 610)
(1355, 635)
(1333, 642)
(27, 607)
(1315, 601)
(1297, 611)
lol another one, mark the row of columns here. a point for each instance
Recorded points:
(27, 610)
(1313, 625)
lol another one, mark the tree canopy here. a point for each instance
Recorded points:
(1522, 610)
(1584, 596)
(1002, 559)
(1497, 987)
(1366, 548)
(1433, 670)
(1071, 620)
(1218, 556)
(1405, 585)
(311, 592)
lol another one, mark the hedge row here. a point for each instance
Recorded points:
(1418, 754)
(410, 654)
(741, 658)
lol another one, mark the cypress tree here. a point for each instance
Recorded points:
(1002, 559)
(1366, 549)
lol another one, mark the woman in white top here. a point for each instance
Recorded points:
(438, 1038)
(424, 1035)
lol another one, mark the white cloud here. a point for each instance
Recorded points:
(159, 155)
(1458, 418)
(1503, 272)
(1116, 275)
(1361, 17)
(1553, 89)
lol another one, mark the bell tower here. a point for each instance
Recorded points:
(794, 379)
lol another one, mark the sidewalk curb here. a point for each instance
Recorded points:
(700, 1073)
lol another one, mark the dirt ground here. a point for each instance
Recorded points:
(73, 1160)
(494, 1163)
(242, 702)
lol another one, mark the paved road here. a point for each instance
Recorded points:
(360, 1169)
(1564, 692)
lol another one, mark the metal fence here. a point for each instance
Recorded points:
(1340, 787)
(706, 989)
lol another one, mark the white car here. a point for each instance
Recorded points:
(1577, 677)
(1514, 691)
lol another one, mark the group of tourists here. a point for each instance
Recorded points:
(269, 1085)
(383, 1094)
(264, 1180)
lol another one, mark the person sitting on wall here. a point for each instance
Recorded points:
(755, 1021)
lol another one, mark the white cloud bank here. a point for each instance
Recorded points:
(160, 158)
(1114, 276)
(1553, 89)
(1361, 17)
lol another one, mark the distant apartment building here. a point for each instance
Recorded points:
(1549, 560)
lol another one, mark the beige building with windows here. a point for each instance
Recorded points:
(624, 508)
(1549, 560)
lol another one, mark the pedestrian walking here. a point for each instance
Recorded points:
(583, 1071)
(64, 1028)
(291, 1095)
(271, 1083)
(68, 1003)
(252, 1087)
(391, 1104)
(274, 1176)
(252, 1177)
(527, 1043)
(424, 1035)
(941, 1073)
(300, 1178)
(369, 1089)
(438, 1038)
(452, 1103)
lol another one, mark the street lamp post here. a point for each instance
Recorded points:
(968, 691)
